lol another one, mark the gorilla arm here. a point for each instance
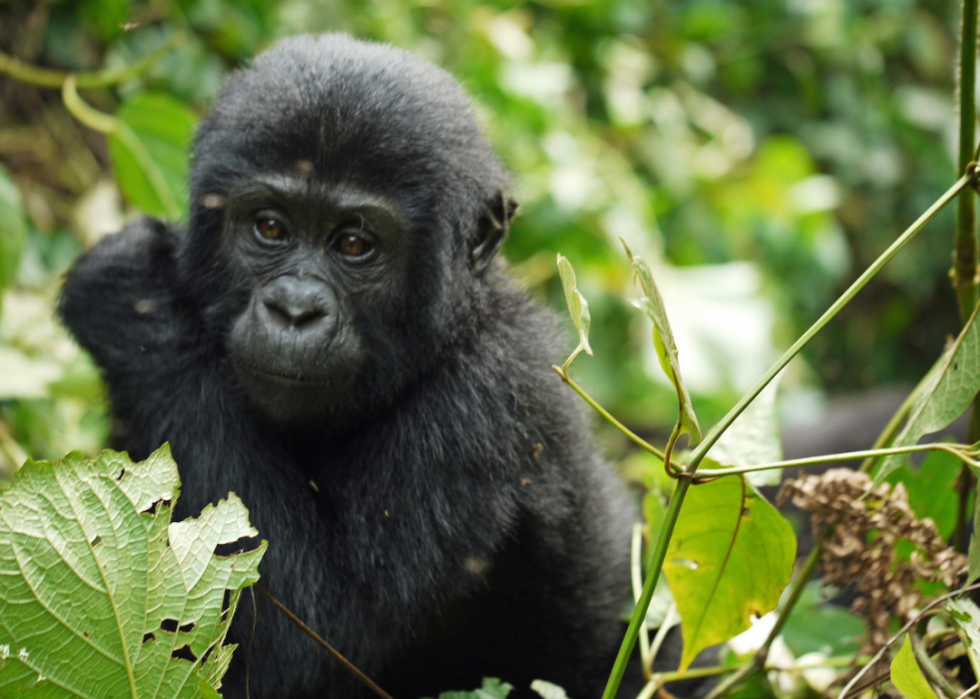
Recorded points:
(120, 302)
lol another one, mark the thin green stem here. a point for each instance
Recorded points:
(697, 673)
(88, 115)
(955, 449)
(636, 579)
(635, 438)
(698, 453)
(891, 429)
(653, 575)
(970, 691)
(55, 79)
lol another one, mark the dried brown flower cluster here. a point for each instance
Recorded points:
(837, 503)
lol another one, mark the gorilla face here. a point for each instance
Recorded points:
(323, 269)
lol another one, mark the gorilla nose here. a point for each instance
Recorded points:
(291, 302)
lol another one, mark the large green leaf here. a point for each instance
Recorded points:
(942, 396)
(13, 229)
(907, 676)
(730, 557)
(101, 595)
(652, 304)
(149, 153)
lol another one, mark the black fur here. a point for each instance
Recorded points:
(435, 505)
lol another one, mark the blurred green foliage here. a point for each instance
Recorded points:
(757, 154)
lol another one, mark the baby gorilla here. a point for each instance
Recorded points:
(333, 338)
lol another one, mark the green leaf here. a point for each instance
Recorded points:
(730, 557)
(942, 396)
(492, 689)
(814, 626)
(13, 229)
(100, 590)
(663, 341)
(932, 489)
(578, 308)
(149, 153)
(753, 439)
(207, 691)
(907, 675)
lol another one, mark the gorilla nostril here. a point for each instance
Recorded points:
(301, 320)
(292, 315)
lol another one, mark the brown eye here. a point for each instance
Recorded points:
(269, 228)
(351, 245)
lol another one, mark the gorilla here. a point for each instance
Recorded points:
(333, 338)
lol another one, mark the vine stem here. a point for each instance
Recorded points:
(954, 449)
(699, 452)
(606, 415)
(965, 255)
(55, 79)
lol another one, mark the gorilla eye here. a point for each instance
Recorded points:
(270, 229)
(350, 245)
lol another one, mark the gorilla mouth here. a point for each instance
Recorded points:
(283, 378)
(289, 379)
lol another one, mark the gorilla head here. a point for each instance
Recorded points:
(319, 201)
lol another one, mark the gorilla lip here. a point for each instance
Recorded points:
(285, 379)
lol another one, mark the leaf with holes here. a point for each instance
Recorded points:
(942, 396)
(729, 559)
(652, 304)
(149, 153)
(578, 308)
(101, 595)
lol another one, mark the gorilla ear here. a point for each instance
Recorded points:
(492, 230)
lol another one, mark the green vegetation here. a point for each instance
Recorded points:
(761, 160)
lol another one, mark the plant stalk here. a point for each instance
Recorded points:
(965, 255)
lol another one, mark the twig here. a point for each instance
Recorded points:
(55, 79)
(348, 665)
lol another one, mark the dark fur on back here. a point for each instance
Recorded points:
(459, 521)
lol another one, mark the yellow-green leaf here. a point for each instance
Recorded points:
(729, 559)
(907, 676)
